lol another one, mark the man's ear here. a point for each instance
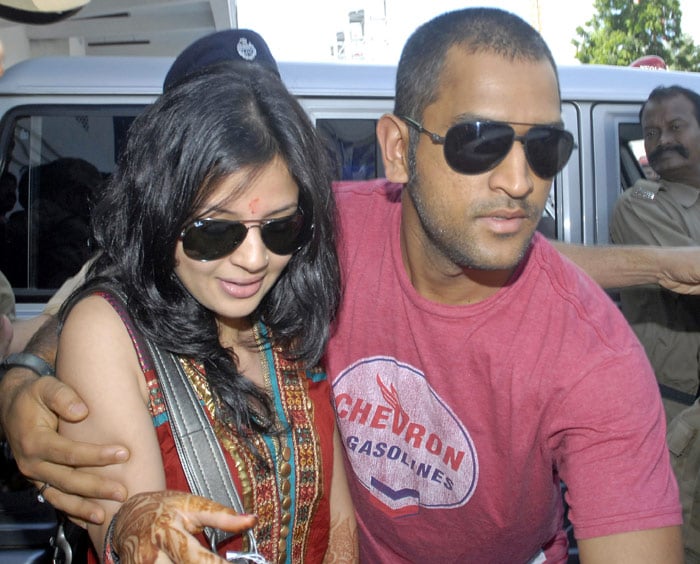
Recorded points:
(392, 135)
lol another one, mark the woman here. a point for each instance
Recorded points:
(218, 230)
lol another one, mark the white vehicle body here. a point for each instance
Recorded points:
(80, 107)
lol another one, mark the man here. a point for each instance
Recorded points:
(666, 212)
(471, 360)
(7, 298)
(472, 366)
(15, 333)
(7, 313)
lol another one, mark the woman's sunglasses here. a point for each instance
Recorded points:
(473, 147)
(211, 239)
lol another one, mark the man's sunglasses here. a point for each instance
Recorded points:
(473, 147)
(211, 239)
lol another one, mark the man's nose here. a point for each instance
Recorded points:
(513, 174)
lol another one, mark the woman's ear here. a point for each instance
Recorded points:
(392, 134)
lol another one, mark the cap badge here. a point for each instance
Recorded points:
(246, 50)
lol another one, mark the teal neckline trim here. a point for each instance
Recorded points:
(287, 434)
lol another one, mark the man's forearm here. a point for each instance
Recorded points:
(42, 343)
(24, 330)
(616, 266)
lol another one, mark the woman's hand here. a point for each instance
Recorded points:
(160, 526)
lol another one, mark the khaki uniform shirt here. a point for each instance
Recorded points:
(668, 324)
(7, 298)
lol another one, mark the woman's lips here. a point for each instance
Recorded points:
(241, 290)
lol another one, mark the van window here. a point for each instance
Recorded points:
(633, 157)
(55, 160)
(616, 164)
(633, 164)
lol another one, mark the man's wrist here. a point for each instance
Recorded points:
(26, 360)
(10, 386)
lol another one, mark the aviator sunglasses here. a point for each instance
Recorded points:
(473, 147)
(211, 239)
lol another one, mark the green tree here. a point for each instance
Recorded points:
(624, 30)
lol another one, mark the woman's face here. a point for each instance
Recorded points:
(234, 285)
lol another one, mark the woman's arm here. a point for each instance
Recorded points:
(343, 541)
(97, 359)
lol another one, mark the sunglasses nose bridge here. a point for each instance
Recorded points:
(251, 251)
(253, 234)
(511, 172)
(514, 174)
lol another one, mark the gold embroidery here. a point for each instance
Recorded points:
(285, 493)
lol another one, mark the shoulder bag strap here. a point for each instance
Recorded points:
(203, 460)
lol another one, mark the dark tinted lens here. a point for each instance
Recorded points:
(548, 149)
(284, 236)
(210, 239)
(475, 147)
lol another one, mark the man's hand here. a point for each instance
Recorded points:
(29, 411)
(159, 526)
(6, 333)
(680, 270)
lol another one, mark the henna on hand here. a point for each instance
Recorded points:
(165, 522)
(343, 544)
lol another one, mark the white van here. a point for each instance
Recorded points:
(63, 122)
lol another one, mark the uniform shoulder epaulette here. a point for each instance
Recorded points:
(645, 189)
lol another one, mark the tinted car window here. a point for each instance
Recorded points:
(353, 147)
(54, 162)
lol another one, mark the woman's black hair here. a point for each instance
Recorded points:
(219, 121)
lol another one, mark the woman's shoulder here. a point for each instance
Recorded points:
(93, 309)
(93, 324)
(95, 348)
